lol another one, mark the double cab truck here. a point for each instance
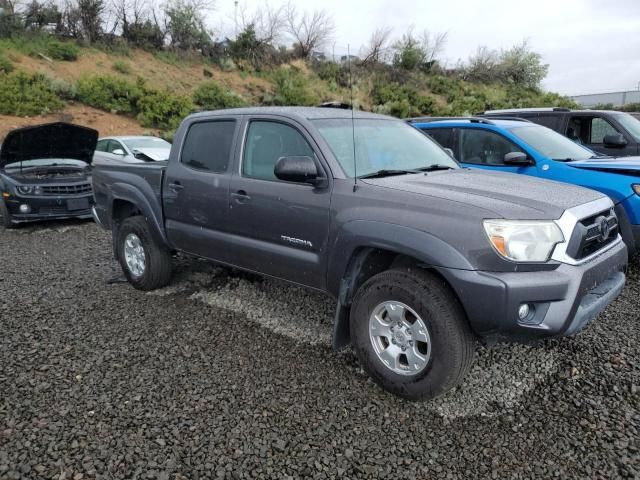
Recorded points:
(422, 257)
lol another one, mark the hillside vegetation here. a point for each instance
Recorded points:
(156, 83)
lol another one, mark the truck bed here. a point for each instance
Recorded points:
(141, 183)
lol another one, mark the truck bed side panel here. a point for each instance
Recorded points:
(138, 184)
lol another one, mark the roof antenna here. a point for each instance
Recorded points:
(353, 123)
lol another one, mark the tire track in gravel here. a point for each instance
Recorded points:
(500, 377)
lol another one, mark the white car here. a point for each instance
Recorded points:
(131, 149)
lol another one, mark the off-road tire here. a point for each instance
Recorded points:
(157, 272)
(452, 342)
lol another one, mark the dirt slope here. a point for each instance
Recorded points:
(105, 123)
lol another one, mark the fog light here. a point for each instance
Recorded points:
(24, 208)
(523, 311)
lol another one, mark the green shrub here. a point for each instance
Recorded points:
(6, 66)
(401, 100)
(162, 109)
(66, 51)
(26, 95)
(121, 67)
(291, 88)
(211, 96)
(109, 93)
(63, 89)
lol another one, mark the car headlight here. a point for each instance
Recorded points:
(523, 240)
(24, 189)
(636, 188)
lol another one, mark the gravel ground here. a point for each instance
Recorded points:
(225, 375)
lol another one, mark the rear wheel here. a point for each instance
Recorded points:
(5, 216)
(145, 262)
(411, 334)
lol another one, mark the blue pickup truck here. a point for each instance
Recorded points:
(518, 146)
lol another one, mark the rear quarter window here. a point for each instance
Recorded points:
(444, 136)
(207, 145)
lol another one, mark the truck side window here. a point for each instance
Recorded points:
(483, 147)
(266, 143)
(444, 136)
(207, 145)
(599, 129)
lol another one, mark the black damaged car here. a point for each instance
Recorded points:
(45, 173)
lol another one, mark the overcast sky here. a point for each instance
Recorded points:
(591, 45)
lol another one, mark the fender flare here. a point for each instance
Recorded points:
(357, 240)
(133, 195)
(426, 248)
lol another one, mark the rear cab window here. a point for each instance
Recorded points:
(207, 145)
(444, 136)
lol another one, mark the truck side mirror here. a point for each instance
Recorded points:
(299, 169)
(614, 140)
(517, 159)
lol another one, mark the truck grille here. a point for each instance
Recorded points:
(593, 233)
(76, 189)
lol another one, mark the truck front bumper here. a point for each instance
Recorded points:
(561, 301)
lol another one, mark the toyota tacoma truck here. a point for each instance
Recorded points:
(422, 256)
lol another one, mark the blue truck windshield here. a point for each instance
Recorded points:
(552, 144)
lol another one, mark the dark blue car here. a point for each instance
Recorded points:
(519, 146)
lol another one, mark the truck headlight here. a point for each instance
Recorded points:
(523, 240)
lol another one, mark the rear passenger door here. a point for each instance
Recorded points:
(196, 189)
(280, 228)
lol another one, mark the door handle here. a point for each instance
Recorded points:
(176, 186)
(241, 196)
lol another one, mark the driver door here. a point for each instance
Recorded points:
(485, 149)
(279, 228)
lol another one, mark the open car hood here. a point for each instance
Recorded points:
(51, 140)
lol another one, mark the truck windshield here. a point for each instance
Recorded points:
(551, 144)
(629, 122)
(381, 145)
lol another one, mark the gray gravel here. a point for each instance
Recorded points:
(225, 375)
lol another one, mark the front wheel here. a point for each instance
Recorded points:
(410, 333)
(145, 262)
(5, 216)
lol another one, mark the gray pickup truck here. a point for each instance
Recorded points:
(422, 256)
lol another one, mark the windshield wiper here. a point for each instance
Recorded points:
(434, 167)
(386, 173)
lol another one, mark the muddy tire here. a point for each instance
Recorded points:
(411, 334)
(145, 262)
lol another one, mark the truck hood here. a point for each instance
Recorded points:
(628, 165)
(156, 154)
(52, 140)
(507, 195)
